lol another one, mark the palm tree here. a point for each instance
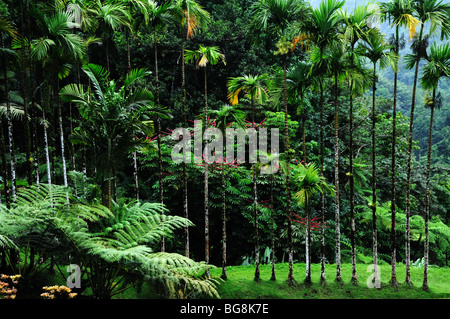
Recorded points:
(113, 117)
(55, 50)
(189, 16)
(299, 80)
(256, 88)
(308, 181)
(6, 29)
(438, 67)
(201, 58)
(337, 68)
(222, 118)
(109, 15)
(321, 30)
(159, 18)
(25, 87)
(277, 17)
(376, 50)
(438, 14)
(400, 14)
(356, 28)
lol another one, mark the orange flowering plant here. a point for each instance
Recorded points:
(8, 284)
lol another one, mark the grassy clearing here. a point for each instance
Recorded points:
(240, 283)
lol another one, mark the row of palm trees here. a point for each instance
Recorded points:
(335, 43)
(338, 41)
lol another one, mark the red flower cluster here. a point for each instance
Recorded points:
(315, 224)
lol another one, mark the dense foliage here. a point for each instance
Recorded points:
(91, 92)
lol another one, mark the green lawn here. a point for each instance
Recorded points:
(240, 283)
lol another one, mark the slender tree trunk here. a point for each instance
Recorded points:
(288, 182)
(304, 137)
(160, 169)
(206, 175)
(9, 128)
(135, 175)
(107, 55)
(72, 146)
(5, 166)
(25, 88)
(109, 174)
(156, 71)
(61, 136)
(158, 124)
(393, 173)
(47, 152)
(224, 228)
(34, 119)
(427, 198)
(308, 244)
(336, 180)
(206, 214)
(135, 162)
(374, 186)
(255, 217)
(255, 208)
(128, 49)
(322, 195)
(408, 173)
(185, 191)
(354, 279)
(273, 277)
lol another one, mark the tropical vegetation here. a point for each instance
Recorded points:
(94, 92)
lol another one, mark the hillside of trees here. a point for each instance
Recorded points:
(92, 91)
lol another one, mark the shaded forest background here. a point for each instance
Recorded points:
(229, 30)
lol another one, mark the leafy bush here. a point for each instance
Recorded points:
(114, 247)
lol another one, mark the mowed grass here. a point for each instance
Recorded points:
(241, 285)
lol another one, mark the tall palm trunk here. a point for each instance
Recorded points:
(107, 55)
(135, 176)
(61, 136)
(4, 166)
(135, 161)
(288, 182)
(308, 244)
(255, 208)
(109, 174)
(393, 170)
(255, 217)
(185, 192)
(158, 127)
(273, 277)
(9, 128)
(374, 186)
(25, 90)
(322, 195)
(47, 152)
(408, 172)
(336, 180)
(224, 228)
(304, 137)
(352, 190)
(427, 198)
(34, 118)
(206, 215)
(206, 194)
